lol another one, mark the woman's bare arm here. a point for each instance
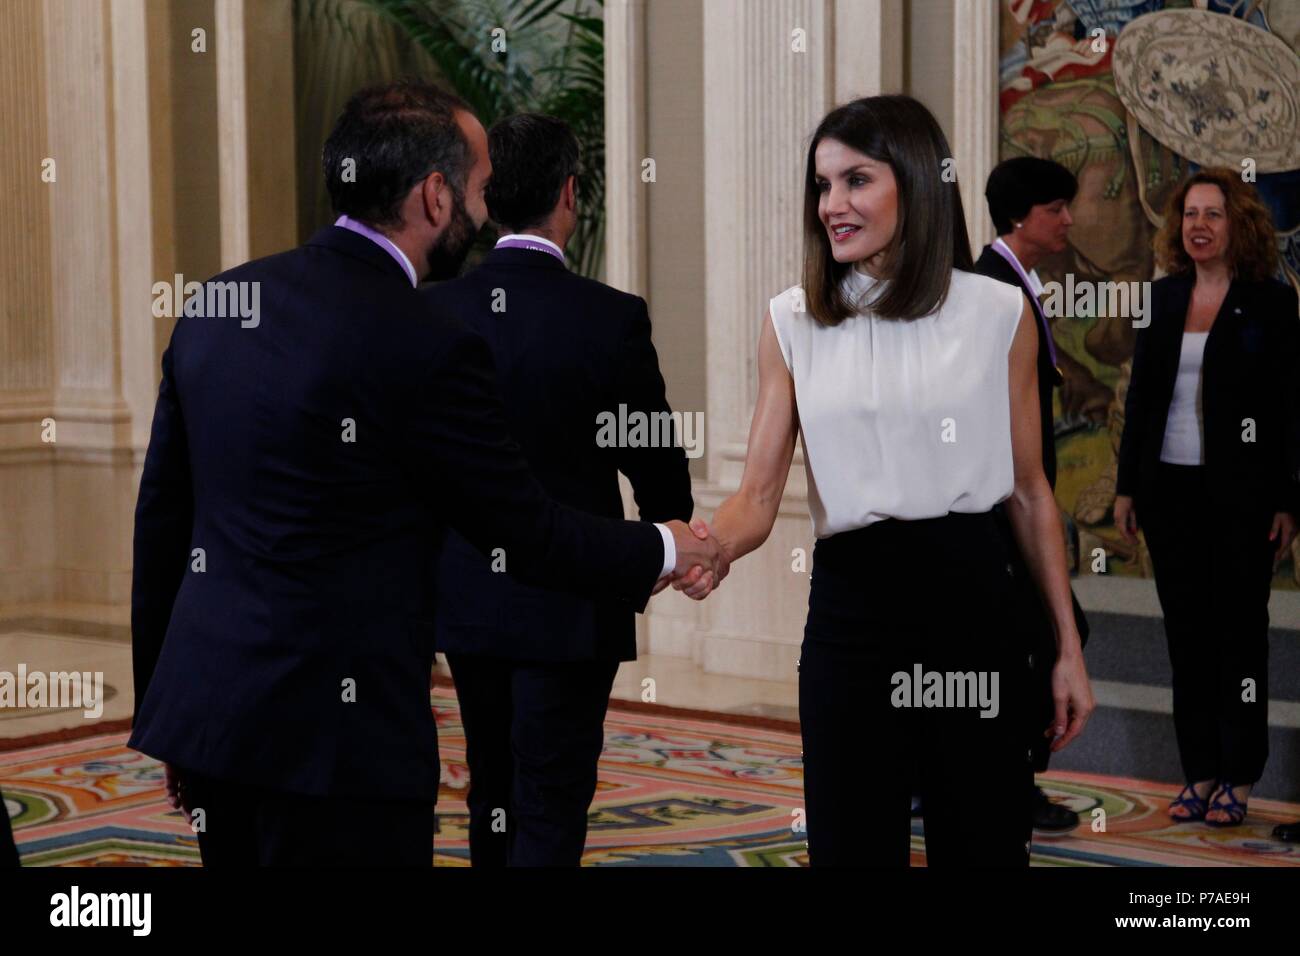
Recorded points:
(1032, 509)
(744, 520)
(1036, 523)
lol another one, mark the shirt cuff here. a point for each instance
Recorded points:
(670, 550)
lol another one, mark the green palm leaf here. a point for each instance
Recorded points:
(553, 63)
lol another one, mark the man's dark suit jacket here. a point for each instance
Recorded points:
(1250, 371)
(566, 349)
(994, 266)
(8, 848)
(318, 552)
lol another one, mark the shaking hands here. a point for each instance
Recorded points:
(701, 561)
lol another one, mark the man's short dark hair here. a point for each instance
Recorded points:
(1017, 185)
(395, 135)
(532, 156)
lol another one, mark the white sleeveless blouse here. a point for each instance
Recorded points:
(903, 418)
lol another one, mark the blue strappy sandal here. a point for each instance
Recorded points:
(1234, 808)
(1197, 806)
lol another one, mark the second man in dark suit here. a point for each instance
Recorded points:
(534, 668)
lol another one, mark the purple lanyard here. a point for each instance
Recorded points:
(1038, 308)
(520, 243)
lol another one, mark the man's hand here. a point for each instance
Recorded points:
(699, 583)
(175, 786)
(1284, 531)
(704, 533)
(1126, 518)
(701, 563)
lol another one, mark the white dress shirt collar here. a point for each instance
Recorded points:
(532, 238)
(377, 237)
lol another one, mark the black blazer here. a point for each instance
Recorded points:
(318, 552)
(1251, 370)
(995, 267)
(567, 349)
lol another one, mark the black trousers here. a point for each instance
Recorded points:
(889, 601)
(1213, 570)
(245, 826)
(534, 731)
(8, 849)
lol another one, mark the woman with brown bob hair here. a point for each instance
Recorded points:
(1208, 466)
(912, 384)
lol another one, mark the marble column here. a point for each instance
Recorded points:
(769, 76)
(868, 48)
(89, 95)
(975, 111)
(26, 323)
(255, 127)
(625, 245)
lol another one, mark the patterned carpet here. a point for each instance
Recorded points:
(674, 791)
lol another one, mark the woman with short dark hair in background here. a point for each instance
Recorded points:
(1029, 201)
(1208, 466)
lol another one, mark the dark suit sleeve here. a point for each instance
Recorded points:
(1130, 443)
(8, 849)
(1287, 379)
(661, 481)
(164, 519)
(480, 484)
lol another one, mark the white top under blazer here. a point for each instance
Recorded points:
(903, 418)
(1184, 442)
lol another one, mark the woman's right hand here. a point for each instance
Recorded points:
(1126, 518)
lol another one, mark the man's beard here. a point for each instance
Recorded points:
(451, 250)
